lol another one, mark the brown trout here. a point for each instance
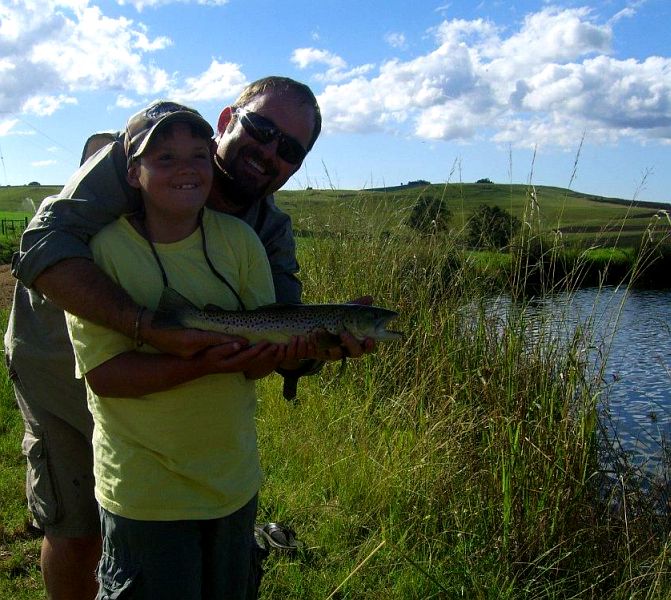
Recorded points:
(278, 322)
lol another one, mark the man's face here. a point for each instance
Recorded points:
(253, 170)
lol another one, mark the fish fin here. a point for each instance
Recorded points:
(212, 309)
(165, 321)
(326, 340)
(171, 299)
(171, 302)
(289, 387)
(279, 305)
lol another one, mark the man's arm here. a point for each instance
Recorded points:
(80, 287)
(55, 259)
(95, 195)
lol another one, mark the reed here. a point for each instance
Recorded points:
(462, 462)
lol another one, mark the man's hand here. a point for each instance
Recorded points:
(349, 346)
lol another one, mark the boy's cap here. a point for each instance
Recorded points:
(142, 126)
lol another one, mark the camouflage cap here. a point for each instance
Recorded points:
(142, 126)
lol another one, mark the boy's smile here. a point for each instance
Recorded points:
(175, 176)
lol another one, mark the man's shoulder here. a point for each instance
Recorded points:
(98, 141)
(220, 220)
(264, 215)
(102, 173)
(269, 203)
(118, 231)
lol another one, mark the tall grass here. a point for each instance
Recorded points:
(461, 462)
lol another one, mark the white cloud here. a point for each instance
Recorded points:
(556, 35)
(123, 101)
(55, 48)
(43, 163)
(7, 125)
(304, 58)
(139, 5)
(396, 40)
(546, 82)
(219, 81)
(47, 105)
(627, 12)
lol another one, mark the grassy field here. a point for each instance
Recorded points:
(458, 463)
(25, 198)
(577, 218)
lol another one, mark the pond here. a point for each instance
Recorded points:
(635, 326)
(631, 330)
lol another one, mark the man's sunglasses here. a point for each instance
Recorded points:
(265, 131)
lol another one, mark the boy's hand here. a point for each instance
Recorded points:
(281, 355)
(234, 357)
(184, 343)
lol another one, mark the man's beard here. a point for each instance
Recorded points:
(236, 190)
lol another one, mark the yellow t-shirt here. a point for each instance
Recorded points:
(189, 452)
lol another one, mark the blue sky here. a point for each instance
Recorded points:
(566, 93)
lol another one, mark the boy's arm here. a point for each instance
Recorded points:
(133, 374)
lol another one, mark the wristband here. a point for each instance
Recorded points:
(137, 338)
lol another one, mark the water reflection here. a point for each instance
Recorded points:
(631, 330)
(639, 369)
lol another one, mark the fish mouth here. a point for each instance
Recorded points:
(381, 331)
(388, 334)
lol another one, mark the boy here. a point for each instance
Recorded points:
(175, 458)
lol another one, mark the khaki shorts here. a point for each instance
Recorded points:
(59, 477)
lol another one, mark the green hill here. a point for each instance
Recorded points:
(576, 217)
(25, 198)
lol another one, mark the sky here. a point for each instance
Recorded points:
(572, 94)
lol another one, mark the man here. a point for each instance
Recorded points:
(261, 141)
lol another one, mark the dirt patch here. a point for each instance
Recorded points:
(7, 283)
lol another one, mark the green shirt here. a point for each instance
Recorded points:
(189, 452)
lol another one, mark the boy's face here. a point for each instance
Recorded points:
(174, 173)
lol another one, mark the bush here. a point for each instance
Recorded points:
(491, 227)
(429, 215)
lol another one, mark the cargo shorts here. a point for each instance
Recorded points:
(58, 451)
(179, 560)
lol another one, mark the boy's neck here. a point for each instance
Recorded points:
(164, 230)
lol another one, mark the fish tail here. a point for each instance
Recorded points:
(170, 305)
